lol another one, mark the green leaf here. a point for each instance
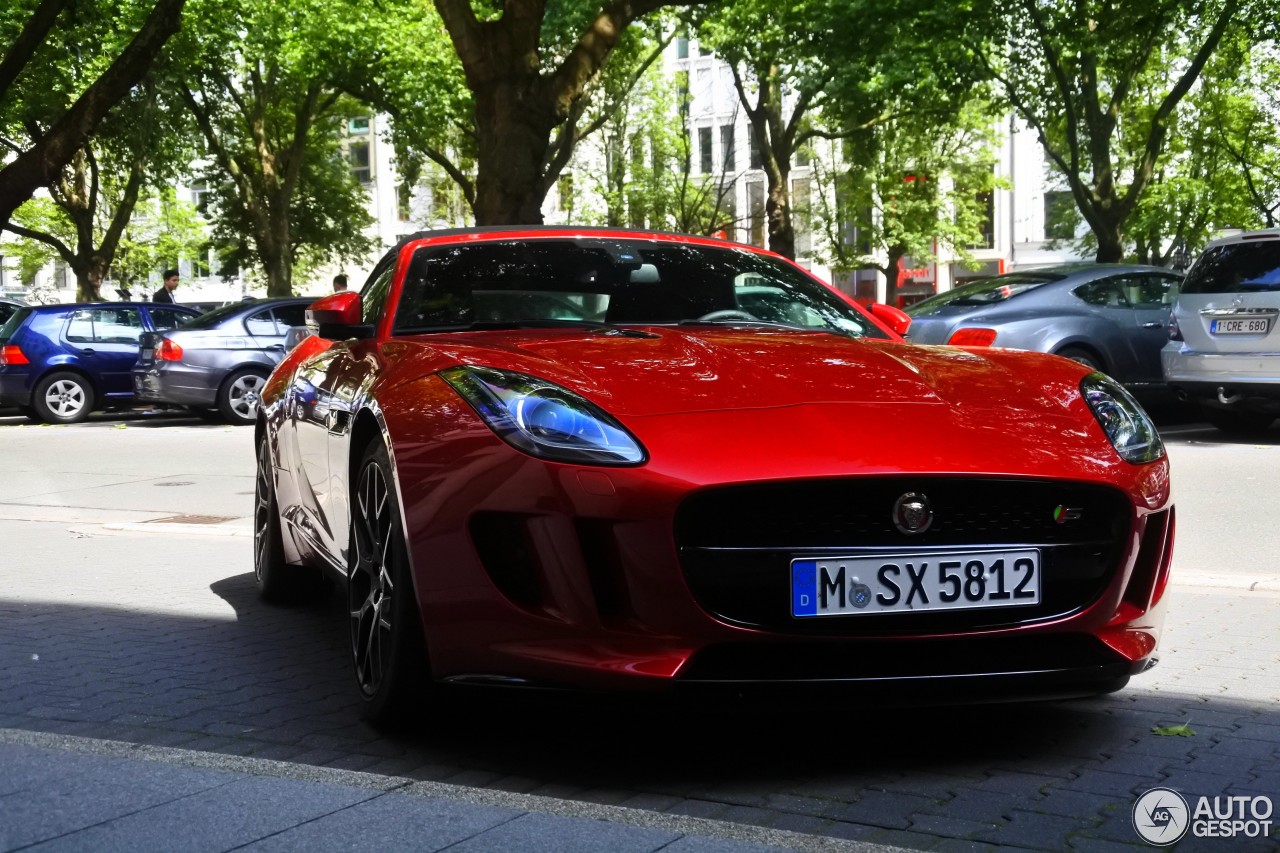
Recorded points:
(1180, 730)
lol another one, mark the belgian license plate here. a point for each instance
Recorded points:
(1240, 326)
(913, 582)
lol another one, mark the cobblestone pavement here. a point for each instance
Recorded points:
(159, 639)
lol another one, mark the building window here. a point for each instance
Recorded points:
(755, 204)
(803, 156)
(361, 167)
(757, 157)
(705, 150)
(200, 196)
(728, 155)
(1060, 215)
(986, 209)
(682, 48)
(404, 199)
(703, 50)
(800, 216)
(358, 126)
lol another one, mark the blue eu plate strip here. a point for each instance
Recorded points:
(804, 588)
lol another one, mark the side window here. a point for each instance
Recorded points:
(374, 295)
(165, 319)
(288, 316)
(1105, 293)
(105, 326)
(261, 324)
(1151, 291)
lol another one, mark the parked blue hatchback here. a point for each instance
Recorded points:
(58, 363)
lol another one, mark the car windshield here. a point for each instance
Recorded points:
(11, 325)
(598, 282)
(1237, 268)
(213, 319)
(987, 291)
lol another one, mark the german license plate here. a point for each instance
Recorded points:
(1240, 326)
(899, 583)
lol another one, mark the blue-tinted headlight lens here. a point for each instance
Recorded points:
(1124, 421)
(543, 419)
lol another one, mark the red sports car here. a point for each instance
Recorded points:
(630, 461)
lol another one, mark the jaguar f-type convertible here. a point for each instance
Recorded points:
(630, 461)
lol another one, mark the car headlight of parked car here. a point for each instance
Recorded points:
(1124, 421)
(543, 419)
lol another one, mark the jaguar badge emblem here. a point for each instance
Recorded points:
(912, 513)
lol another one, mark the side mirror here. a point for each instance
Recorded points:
(895, 318)
(338, 317)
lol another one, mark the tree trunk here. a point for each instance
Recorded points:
(90, 272)
(892, 270)
(1110, 243)
(777, 209)
(513, 134)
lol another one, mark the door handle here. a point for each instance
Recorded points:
(87, 351)
(1153, 325)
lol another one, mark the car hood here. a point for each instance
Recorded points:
(686, 370)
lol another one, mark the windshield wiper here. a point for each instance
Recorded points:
(536, 323)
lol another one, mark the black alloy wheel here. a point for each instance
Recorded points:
(277, 581)
(387, 645)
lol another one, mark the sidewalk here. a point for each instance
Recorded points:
(73, 793)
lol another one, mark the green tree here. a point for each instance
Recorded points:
(914, 185)
(846, 61)
(67, 66)
(1081, 74)
(136, 145)
(265, 86)
(163, 231)
(530, 71)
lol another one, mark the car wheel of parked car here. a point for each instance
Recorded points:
(277, 581)
(387, 645)
(63, 398)
(1081, 355)
(1238, 423)
(239, 395)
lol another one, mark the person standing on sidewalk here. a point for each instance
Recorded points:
(165, 293)
(339, 283)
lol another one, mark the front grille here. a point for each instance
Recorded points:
(737, 543)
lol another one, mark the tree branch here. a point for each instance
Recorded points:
(28, 42)
(48, 239)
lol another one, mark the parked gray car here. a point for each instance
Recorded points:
(1112, 317)
(219, 361)
(1224, 347)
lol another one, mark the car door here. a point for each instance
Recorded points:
(104, 340)
(322, 399)
(1152, 296)
(285, 317)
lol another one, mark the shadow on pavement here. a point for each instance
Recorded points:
(276, 683)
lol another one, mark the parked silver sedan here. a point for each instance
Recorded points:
(218, 362)
(1112, 317)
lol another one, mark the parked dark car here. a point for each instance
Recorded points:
(220, 361)
(1112, 317)
(58, 363)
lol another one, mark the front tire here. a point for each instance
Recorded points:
(387, 645)
(1083, 356)
(63, 398)
(240, 395)
(277, 581)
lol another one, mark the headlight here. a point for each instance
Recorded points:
(543, 419)
(1123, 420)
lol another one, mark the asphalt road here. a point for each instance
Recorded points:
(128, 612)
